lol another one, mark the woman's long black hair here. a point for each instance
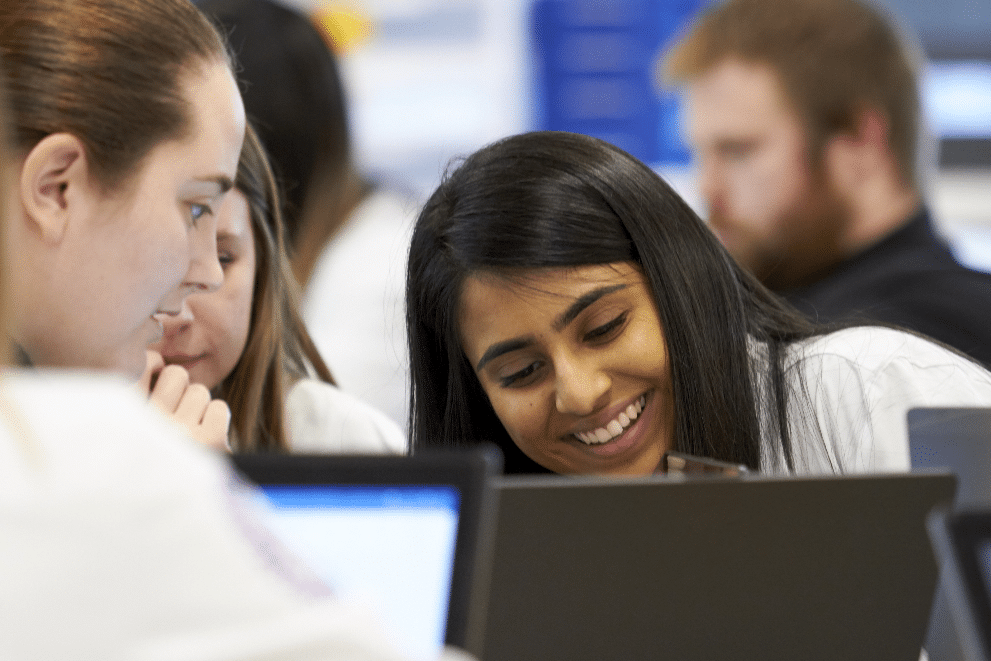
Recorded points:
(551, 200)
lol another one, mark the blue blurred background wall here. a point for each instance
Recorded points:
(594, 72)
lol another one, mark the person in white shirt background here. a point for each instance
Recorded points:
(348, 232)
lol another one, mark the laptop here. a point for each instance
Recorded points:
(957, 439)
(962, 540)
(404, 535)
(816, 568)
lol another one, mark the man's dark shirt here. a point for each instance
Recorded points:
(911, 279)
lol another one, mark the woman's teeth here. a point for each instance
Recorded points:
(615, 427)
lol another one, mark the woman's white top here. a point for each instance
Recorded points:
(122, 539)
(850, 392)
(322, 418)
(353, 304)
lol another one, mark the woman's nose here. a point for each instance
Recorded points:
(582, 387)
(173, 324)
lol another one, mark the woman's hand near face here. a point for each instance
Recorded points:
(168, 387)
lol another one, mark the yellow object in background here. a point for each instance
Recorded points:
(344, 25)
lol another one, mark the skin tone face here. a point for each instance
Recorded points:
(771, 209)
(209, 336)
(575, 365)
(130, 257)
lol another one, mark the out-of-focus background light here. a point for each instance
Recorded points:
(431, 80)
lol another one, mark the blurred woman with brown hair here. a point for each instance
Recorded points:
(339, 219)
(247, 343)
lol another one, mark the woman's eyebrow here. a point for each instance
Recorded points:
(583, 302)
(223, 183)
(500, 348)
(210, 186)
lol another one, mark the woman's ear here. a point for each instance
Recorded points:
(53, 173)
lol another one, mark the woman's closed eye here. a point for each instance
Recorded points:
(530, 373)
(230, 247)
(607, 330)
(521, 378)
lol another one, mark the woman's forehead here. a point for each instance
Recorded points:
(234, 216)
(555, 280)
(486, 298)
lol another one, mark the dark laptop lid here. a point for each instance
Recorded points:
(962, 540)
(403, 533)
(748, 568)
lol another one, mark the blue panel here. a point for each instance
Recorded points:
(596, 68)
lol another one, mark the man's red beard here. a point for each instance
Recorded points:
(806, 247)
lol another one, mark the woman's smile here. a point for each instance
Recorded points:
(619, 434)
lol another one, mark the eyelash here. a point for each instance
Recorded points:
(514, 379)
(598, 334)
(605, 330)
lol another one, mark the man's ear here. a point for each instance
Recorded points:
(54, 173)
(857, 156)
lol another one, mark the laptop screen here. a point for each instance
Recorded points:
(402, 534)
(389, 546)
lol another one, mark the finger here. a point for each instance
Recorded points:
(153, 365)
(215, 425)
(169, 388)
(193, 404)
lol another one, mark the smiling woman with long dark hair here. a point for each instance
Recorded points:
(564, 303)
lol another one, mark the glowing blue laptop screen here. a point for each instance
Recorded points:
(391, 547)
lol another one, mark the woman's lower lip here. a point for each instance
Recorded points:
(630, 436)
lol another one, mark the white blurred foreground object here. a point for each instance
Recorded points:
(119, 539)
